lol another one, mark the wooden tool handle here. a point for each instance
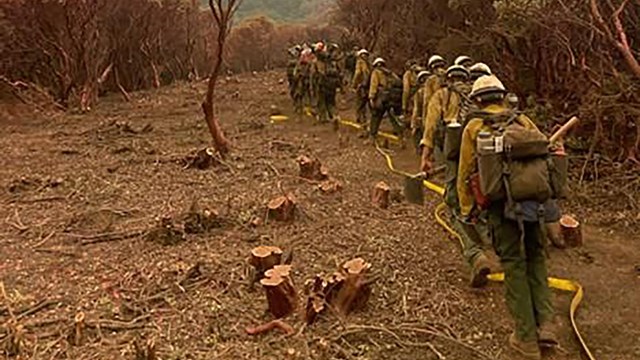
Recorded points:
(564, 129)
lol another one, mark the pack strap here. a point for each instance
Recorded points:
(516, 207)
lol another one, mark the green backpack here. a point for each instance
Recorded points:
(513, 161)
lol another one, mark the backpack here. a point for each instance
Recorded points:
(448, 136)
(513, 161)
(392, 94)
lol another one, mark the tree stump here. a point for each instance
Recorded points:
(571, 231)
(345, 290)
(316, 293)
(312, 169)
(202, 160)
(380, 196)
(353, 290)
(197, 220)
(77, 333)
(264, 258)
(281, 295)
(282, 208)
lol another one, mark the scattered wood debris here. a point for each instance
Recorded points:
(165, 233)
(274, 324)
(330, 186)
(197, 220)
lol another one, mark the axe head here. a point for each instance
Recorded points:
(414, 189)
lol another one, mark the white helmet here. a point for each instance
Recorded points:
(457, 71)
(362, 52)
(423, 74)
(480, 69)
(463, 60)
(436, 60)
(486, 85)
(379, 61)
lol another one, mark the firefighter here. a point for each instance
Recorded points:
(360, 84)
(446, 116)
(518, 243)
(382, 97)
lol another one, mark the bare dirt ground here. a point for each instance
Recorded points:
(71, 182)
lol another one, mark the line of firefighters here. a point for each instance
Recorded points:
(502, 176)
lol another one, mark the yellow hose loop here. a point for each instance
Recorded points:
(558, 284)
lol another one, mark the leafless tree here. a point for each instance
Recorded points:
(223, 12)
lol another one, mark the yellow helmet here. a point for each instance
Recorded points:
(486, 85)
(436, 60)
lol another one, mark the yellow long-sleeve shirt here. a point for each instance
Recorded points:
(409, 80)
(379, 81)
(431, 86)
(362, 73)
(468, 164)
(444, 104)
(416, 116)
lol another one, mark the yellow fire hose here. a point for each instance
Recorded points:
(558, 284)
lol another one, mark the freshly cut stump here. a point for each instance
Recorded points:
(353, 291)
(316, 293)
(312, 169)
(281, 294)
(381, 195)
(571, 231)
(264, 258)
(203, 159)
(282, 208)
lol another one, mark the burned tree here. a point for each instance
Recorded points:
(223, 12)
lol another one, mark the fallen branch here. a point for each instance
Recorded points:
(43, 304)
(274, 324)
(100, 238)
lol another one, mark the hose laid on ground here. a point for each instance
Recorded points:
(558, 284)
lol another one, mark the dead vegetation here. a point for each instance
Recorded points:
(193, 299)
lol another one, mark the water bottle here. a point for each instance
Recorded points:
(485, 143)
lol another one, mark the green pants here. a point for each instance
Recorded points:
(362, 103)
(527, 292)
(470, 234)
(383, 107)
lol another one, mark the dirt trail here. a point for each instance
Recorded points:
(119, 168)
